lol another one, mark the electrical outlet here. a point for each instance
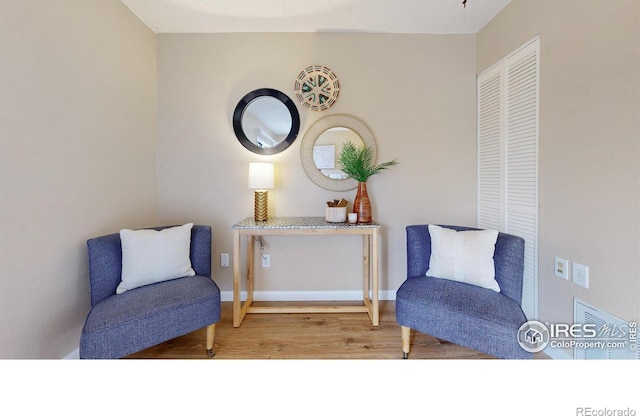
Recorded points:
(561, 267)
(266, 260)
(581, 275)
(224, 260)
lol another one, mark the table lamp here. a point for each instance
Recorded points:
(261, 179)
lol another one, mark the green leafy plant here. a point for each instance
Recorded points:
(358, 163)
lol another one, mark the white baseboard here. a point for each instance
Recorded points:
(313, 295)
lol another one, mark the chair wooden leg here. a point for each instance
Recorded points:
(406, 341)
(211, 329)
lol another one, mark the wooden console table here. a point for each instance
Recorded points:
(304, 226)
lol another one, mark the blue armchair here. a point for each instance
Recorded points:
(461, 313)
(121, 324)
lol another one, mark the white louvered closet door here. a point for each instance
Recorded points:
(508, 156)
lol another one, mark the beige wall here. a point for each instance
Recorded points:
(589, 144)
(417, 93)
(77, 158)
(78, 148)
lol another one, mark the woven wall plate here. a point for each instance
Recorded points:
(317, 87)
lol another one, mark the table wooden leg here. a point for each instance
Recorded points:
(366, 266)
(250, 268)
(375, 277)
(236, 279)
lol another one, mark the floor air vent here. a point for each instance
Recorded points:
(606, 336)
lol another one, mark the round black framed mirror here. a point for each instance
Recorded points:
(266, 121)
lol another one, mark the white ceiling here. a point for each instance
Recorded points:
(350, 16)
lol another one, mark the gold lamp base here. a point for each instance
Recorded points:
(260, 205)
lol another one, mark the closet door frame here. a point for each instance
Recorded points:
(508, 108)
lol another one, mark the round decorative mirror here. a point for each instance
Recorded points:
(321, 146)
(266, 121)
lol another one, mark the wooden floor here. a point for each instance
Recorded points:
(308, 336)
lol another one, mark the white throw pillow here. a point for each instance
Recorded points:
(151, 256)
(463, 256)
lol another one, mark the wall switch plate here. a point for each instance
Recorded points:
(581, 275)
(224, 260)
(266, 260)
(561, 267)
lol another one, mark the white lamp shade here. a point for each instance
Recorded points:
(261, 175)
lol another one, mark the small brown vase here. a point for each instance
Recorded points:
(362, 205)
